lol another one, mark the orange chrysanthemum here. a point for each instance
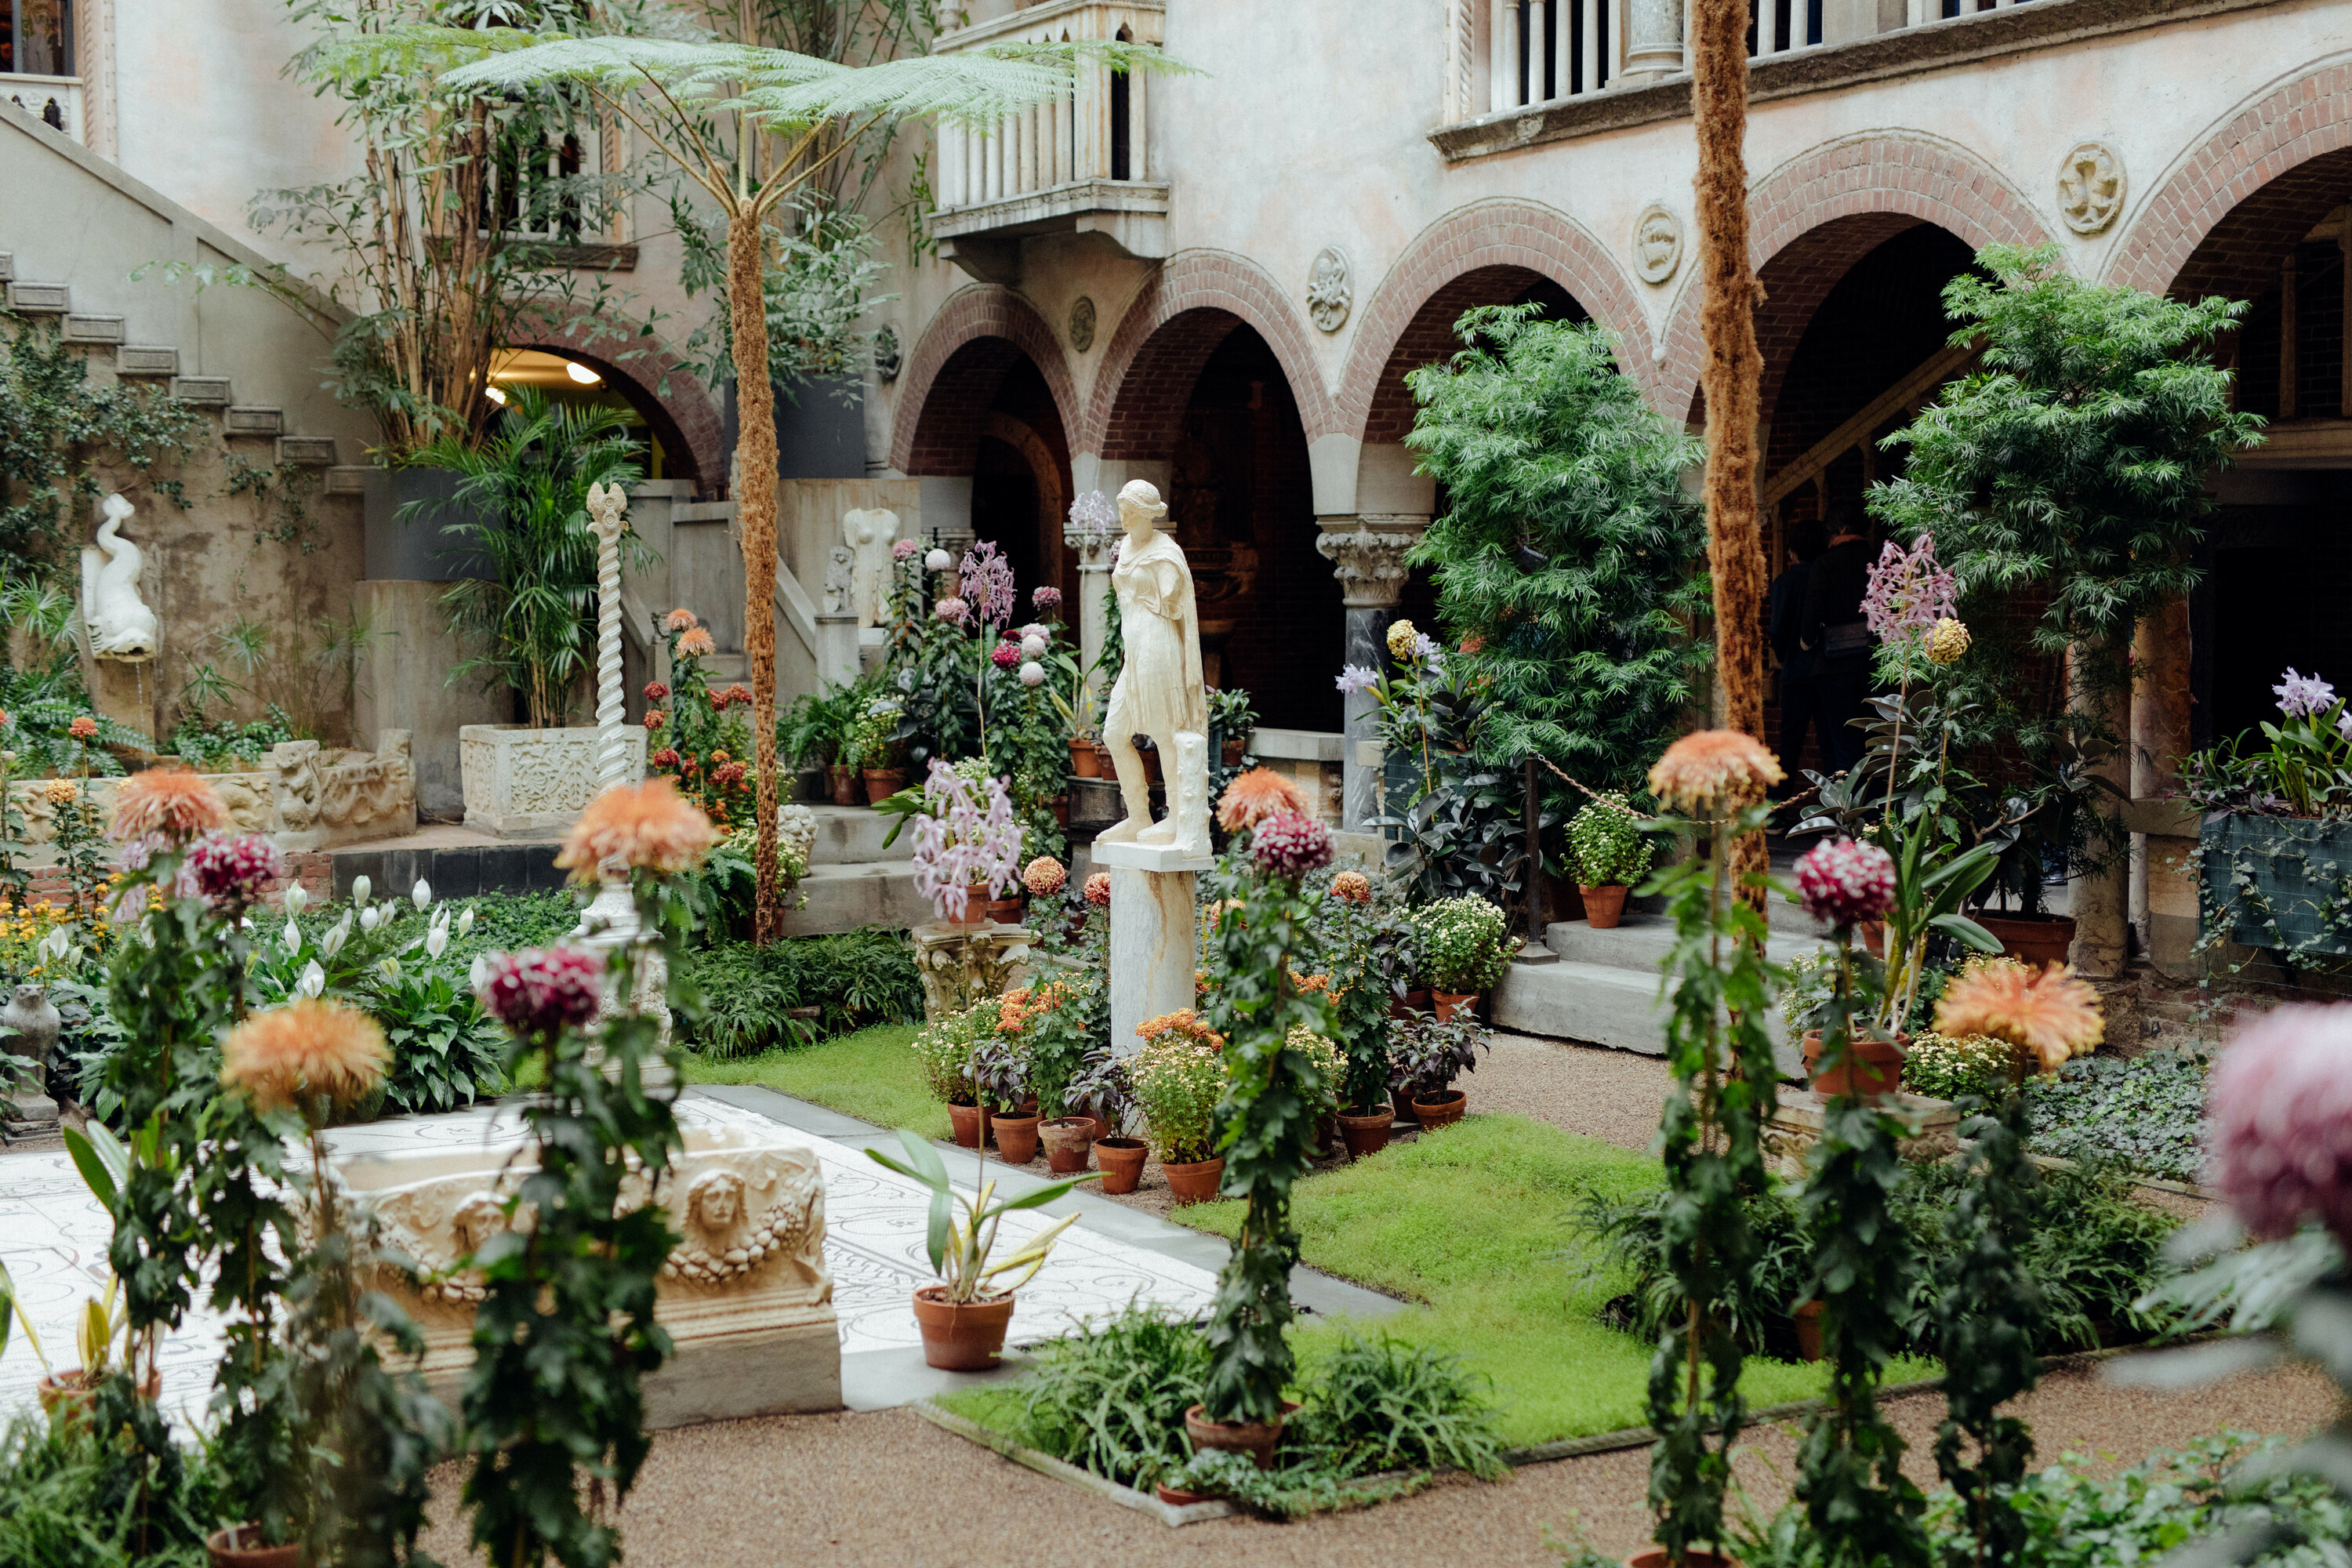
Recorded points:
(168, 801)
(1352, 886)
(647, 826)
(696, 644)
(305, 1049)
(679, 621)
(1712, 768)
(61, 791)
(2051, 1014)
(1184, 1022)
(1256, 795)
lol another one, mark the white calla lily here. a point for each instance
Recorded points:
(361, 889)
(371, 918)
(313, 981)
(293, 935)
(464, 923)
(389, 967)
(337, 935)
(298, 899)
(421, 894)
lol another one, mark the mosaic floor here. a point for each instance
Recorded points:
(53, 1238)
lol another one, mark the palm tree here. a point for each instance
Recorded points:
(527, 488)
(751, 127)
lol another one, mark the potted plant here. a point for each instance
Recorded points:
(1102, 1089)
(943, 1052)
(2277, 825)
(814, 737)
(967, 842)
(525, 491)
(964, 1316)
(1235, 721)
(881, 754)
(1465, 949)
(1178, 1080)
(1000, 1081)
(1426, 1055)
(1607, 852)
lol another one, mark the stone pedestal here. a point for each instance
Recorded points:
(1154, 944)
(1367, 554)
(1796, 1126)
(963, 964)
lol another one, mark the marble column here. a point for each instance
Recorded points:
(1654, 40)
(1367, 555)
(1093, 551)
(1154, 945)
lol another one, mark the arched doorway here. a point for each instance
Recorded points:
(989, 416)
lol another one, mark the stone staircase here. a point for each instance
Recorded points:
(160, 362)
(1604, 988)
(853, 880)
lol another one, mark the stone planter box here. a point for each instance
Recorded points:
(304, 796)
(2278, 882)
(521, 780)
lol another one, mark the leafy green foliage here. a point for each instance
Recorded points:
(1954, 1068)
(1371, 951)
(1541, 442)
(1380, 1404)
(1465, 944)
(1112, 1400)
(1606, 845)
(747, 993)
(2147, 1113)
(505, 921)
(54, 426)
(527, 488)
(72, 1498)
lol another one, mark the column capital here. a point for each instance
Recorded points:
(1367, 554)
(1093, 549)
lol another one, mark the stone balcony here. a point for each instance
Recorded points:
(1077, 165)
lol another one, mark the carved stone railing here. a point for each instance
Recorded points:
(304, 796)
(53, 100)
(1080, 164)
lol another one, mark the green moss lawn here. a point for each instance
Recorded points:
(1477, 1224)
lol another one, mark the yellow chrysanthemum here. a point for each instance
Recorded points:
(2053, 1014)
(1402, 637)
(1947, 641)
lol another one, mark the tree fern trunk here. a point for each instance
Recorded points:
(755, 500)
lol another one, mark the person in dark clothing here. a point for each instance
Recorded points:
(1831, 629)
(1799, 693)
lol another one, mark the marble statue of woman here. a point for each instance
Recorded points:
(1159, 692)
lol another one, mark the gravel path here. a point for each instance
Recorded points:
(891, 1491)
(1615, 1096)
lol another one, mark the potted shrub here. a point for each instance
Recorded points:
(814, 737)
(1465, 949)
(1235, 721)
(943, 1051)
(1426, 1054)
(1331, 1070)
(1100, 1088)
(881, 754)
(966, 841)
(1608, 852)
(2277, 828)
(1178, 1080)
(964, 1316)
(1000, 1079)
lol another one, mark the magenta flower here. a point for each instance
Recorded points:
(987, 580)
(2300, 696)
(1845, 882)
(1005, 654)
(2279, 1118)
(1290, 843)
(1909, 590)
(1045, 601)
(539, 990)
(230, 871)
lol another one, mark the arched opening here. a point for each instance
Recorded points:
(989, 417)
(566, 375)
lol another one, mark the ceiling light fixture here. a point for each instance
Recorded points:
(497, 394)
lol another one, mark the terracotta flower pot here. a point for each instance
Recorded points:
(975, 907)
(1061, 805)
(1367, 1134)
(1085, 761)
(1195, 1181)
(69, 1391)
(1447, 1004)
(1234, 750)
(1656, 1557)
(1415, 1001)
(1808, 1319)
(1103, 765)
(1007, 911)
(1016, 1137)
(1256, 1438)
(1121, 1159)
(1604, 906)
(2038, 939)
(1169, 1495)
(1435, 1111)
(222, 1546)
(1067, 1140)
(881, 784)
(971, 1125)
(1876, 1067)
(1101, 1127)
(846, 790)
(967, 1338)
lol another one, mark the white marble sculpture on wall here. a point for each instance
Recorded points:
(1160, 692)
(870, 532)
(119, 624)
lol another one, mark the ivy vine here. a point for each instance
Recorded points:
(55, 425)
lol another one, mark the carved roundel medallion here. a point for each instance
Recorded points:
(1082, 324)
(2091, 188)
(1657, 243)
(1328, 293)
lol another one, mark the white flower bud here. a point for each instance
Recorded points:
(421, 894)
(1032, 647)
(437, 941)
(389, 967)
(298, 899)
(337, 935)
(361, 889)
(465, 921)
(369, 919)
(480, 972)
(293, 935)
(1032, 674)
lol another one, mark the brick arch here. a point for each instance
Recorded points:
(1472, 258)
(2221, 218)
(1188, 308)
(1817, 215)
(949, 382)
(649, 373)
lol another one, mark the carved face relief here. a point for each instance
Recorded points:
(1657, 243)
(477, 1220)
(2091, 188)
(715, 1202)
(1327, 291)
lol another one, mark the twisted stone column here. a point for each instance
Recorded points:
(1367, 554)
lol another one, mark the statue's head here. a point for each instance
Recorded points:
(1140, 506)
(30, 997)
(479, 1217)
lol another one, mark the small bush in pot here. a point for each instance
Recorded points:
(964, 1316)
(1465, 945)
(1425, 1057)
(1607, 852)
(1000, 1080)
(1177, 1083)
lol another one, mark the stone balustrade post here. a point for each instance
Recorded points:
(1367, 554)
(1654, 40)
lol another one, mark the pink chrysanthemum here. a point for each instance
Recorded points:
(83, 729)
(1099, 890)
(231, 871)
(656, 691)
(656, 719)
(1045, 876)
(1352, 887)
(679, 621)
(953, 611)
(1289, 843)
(903, 549)
(1845, 882)
(172, 802)
(2280, 1109)
(539, 990)
(1005, 655)
(1045, 600)
(1714, 768)
(647, 826)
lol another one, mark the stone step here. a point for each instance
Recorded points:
(39, 298)
(206, 391)
(1600, 1004)
(79, 329)
(253, 419)
(306, 451)
(1641, 942)
(853, 834)
(844, 897)
(1784, 916)
(146, 359)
